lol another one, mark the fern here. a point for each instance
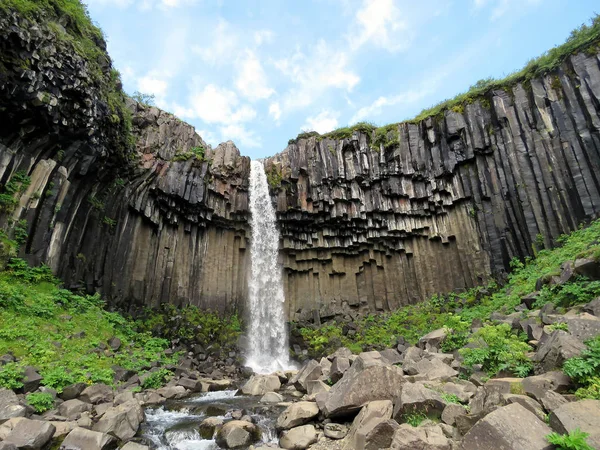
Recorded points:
(575, 440)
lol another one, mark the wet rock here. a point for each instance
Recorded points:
(237, 433)
(511, 427)
(209, 426)
(82, 439)
(335, 430)
(298, 438)
(584, 414)
(297, 414)
(134, 446)
(271, 397)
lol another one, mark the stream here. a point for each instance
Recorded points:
(174, 425)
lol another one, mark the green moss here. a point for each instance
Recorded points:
(274, 176)
(196, 153)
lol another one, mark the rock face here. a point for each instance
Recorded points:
(445, 203)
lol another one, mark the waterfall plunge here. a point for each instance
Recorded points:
(268, 337)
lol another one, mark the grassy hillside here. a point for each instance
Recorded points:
(457, 311)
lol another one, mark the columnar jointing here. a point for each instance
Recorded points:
(268, 337)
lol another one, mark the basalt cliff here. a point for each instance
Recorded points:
(128, 200)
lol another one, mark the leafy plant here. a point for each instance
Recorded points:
(569, 294)
(156, 379)
(450, 398)
(575, 440)
(496, 348)
(57, 378)
(559, 326)
(11, 376)
(40, 401)
(457, 333)
(144, 99)
(414, 419)
(585, 370)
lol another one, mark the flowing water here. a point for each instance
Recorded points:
(268, 349)
(174, 426)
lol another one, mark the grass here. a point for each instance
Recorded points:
(457, 310)
(586, 38)
(65, 335)
(196, 153)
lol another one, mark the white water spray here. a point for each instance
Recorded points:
(268, 336)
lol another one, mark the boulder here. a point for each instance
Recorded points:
(312, 370)
(134, 446)
(391, 356)
(121, 421)
(298, 438)
(62, 429)
(72, 391)
(97, 393)
(536, 386)
(432, 370)
(592, 307)
(31, 379)
(149, 398)
(429, 437)
(325, 367)
(171, 392)
(209, 426)
(451, 412)
(297, 414)
(433, 339)
(271, 397)
(527, 403)
(510, 427)
(82, 439)
(313, 387)
(368, 379)
(7, 446)
(582, 326)
(552, 400)
(123, 397)
(335, 430)
(412, 355)
(9, 405)
(237, 433)
(72, 409)
(559, 347)
(587, 267)
(367, 420)
(261, 384)
(341, 352)
(30, 434)
(486, 399)
(339, 366)
(584, 414)
(463, 389)
(416, 398)
(191, 384)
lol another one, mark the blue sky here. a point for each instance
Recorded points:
(259, 72)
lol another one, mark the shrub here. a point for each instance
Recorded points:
(414, 419)
(570, 294)
(40, 401)
(156, 379)
(457, 334)
(11, 376)
(450, 398)
(575, 440)
(57, 378)
(496, 348)
(585, 370)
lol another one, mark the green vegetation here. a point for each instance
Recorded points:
(570, 294)
(558, 326)
(144, 99)
(196, 153)
(497, 348)
(156, 379)
(40, 401)
(414, 419)
(274, 176)
(18, 183)
(450, 398)
(456, 311)
(585, 370)
(575, 440)
(64, 335)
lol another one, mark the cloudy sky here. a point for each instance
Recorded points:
(260, 71)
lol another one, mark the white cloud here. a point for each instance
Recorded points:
(501, 7)
(262, 36)
(209, 137)
(252, 80)
(312, 75)
(275, 111)
(142, 4)
(240, 135)
(380, 23)
(214, 104)
(223, 47)
(376, 108)
(150, 84)
(323, 122)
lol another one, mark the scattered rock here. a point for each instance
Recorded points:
(335, 430)
(430, 437)
(339, 366)
(433, 339)
(261, 384)
(82, 439)
(559, 347)
(30, 434)
(416, 398)
(451, 412)
(9, 405)
(97, 393)
(367, 420)
(121, 421)
(72, 409)
(313, 387)
(271, 397)
(209, 426)
(584, 414)
(72, 391)
(312, 370)
(134, 446)
(510, 427)
(298, 438)
(537, 386)
(237, 433)
(297, 414)
(31, 379)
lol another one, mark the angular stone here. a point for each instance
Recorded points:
(339, 366)
(431, 437)
(559, 347)
(72, 391)
(587, 267)
(31, 379)
(430, 369)
(261, 384)
(372, 414)
(9, 405)
(271, 397)
(121, 421)
(335, 430)
(416, 398)
(433, 339)
(297, 414)
(592, 307)
(391, 356)
(134, 446)
(237, 433)
(209, 426)
(536, 386)
(451, 412)
(82, 439)
(30, 434)
(526, 402)
(368, 379)
(583, 326)
(584, 414)
(192, 385)
(298, 438)
(510, 427)
(552, 400)
(313, 387)
(97, 393)
(72, 409)
(312, 370)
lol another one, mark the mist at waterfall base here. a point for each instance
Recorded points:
(268, 341)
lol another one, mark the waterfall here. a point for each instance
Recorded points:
(268, 350)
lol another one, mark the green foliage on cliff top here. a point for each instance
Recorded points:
(65, 335)
(455, 310)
